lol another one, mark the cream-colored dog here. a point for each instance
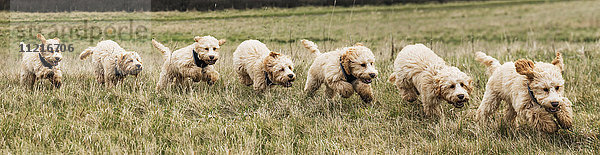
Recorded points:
(111, 62)
(418, 71)
(258, 66)
(343, 71)
(534, 92)
(194, 61)
(43, 64)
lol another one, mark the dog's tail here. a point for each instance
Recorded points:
(86, 53)
(311, 46)
(488, 61)
(164, 50)
(392, 78)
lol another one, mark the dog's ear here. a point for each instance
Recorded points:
(525, 67)
(346, 59)
(139, 59)
(123, 57)
(437, 85)
(392, 78)
(268, 61)
(222, 41)
(274, 54)
(136, 56)
(558, 61)
(197, 38)
(469, 85)
(42, 38)
(437, 90)
(348, 55)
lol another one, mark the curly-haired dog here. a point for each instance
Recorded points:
(533, 93)
(258, 66)
(42, 64)
(194, 61)
(343, 71)
(419, 72)
(111, 62)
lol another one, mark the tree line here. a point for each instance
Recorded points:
(180, 5)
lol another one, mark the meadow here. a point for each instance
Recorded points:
(228, 117)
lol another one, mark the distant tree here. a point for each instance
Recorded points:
(4, 4)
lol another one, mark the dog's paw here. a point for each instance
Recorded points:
(346, 93)
(564, 117)
(212, 80)
(366, 98)
(564, 120)
(195, 79)
(409, 98)
(408, 95)
(551, 128)
(57, 84)
(565, 123)
(48, 75)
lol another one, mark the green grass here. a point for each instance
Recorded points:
(229, 117)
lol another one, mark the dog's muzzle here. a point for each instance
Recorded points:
(460, 103)
(289, 83)
(367, 81)
(552, 110)
(211, 62)
(136, 71)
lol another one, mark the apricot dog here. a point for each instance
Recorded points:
(343, 71)
(533, 92)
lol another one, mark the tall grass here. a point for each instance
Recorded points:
(230, 118)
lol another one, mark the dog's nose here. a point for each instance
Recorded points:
(211, 57)
(57, 58)
(291, 75)
(461, 96)
(372, 75)
(554, 104)
(138, 65)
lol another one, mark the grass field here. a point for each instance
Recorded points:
(228, 117)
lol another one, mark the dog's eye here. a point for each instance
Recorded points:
(214, 48)
(371, 63)
(452, 86)
(206, 49)
(364, 65)
(546, 89)
(282, 69)
(462, 84)
(557, 87)
(290, 68)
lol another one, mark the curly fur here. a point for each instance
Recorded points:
(111, 62)
(32, 68)
(509, 82)
(179, 65)
(419, 72)
(252, 59)
(326, 69)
